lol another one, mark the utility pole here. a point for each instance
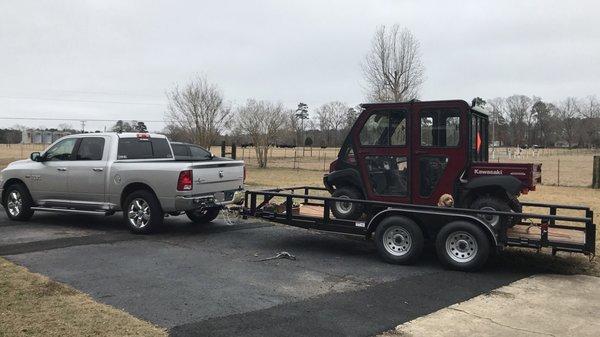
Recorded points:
(302, 114)
(82, 126)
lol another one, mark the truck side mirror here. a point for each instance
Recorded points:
(35, 156)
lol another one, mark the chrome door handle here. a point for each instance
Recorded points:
(62, 169)
(97, 169)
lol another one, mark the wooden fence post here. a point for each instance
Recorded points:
(596, 173)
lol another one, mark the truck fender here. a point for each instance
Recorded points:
(444, 217)
(510, 184)
(348, 176)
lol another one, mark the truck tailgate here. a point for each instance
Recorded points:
(210, 177)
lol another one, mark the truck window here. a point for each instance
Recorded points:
(144, 148)
(61, 151)
(90, 148)
(180, 150)
(440, 127)
(384, 128)
(199, 153)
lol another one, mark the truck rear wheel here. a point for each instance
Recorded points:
(347, 210)
(399, 240)
(201, 216)
(142, 212)
(18, 202)
(490, 203)
(461, 245)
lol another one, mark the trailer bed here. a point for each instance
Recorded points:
(535, 230)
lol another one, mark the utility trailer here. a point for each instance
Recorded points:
(463, 240)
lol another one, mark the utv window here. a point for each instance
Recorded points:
(144, 148)
(384, 129)
(440, 127)
(478, 137)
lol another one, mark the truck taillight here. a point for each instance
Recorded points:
(185, 181)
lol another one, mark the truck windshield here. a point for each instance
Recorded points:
(144, 148)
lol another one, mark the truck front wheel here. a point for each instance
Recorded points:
(347, 210)
(18, 202)
(399, 240)
(142, 212)
(201, 216)
(461, 245)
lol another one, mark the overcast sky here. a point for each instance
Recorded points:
(115, 59)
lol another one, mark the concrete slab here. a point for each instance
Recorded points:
(546, 305)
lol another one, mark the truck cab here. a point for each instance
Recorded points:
(420, 152)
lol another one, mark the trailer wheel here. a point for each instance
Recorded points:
(399, 240)
(461, 245)
(347, 210)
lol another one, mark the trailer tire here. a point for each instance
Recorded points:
(399, 240)
(203, 216)
(347, 210)
(142, 212)
(461, 245)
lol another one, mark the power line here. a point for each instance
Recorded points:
(81, 100)
(80, 119)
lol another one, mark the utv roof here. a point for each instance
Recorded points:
(414, 101)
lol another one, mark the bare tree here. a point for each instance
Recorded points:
(263, 122)
(590, 111)
(568, 111)
(393, 68)
(332, 118)
(199, 109)
(518, 107)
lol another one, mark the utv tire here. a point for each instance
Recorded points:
(347, 210)
(399, 240)
(463, 246)
(142, 212)
(18, 202)
(490, 203)
(203, 216)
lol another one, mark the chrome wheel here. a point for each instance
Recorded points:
(461, 246)
(492, 220)
(14, 203)
(344, 207)
(138, 213)
(397, 241)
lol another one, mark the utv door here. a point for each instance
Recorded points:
(440, 150)
(382, 154)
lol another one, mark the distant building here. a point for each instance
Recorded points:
(36, 136)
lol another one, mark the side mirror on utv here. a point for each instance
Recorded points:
(35, 156)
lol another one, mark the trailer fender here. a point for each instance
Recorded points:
(439, 217)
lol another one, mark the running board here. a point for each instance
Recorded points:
(68, 210)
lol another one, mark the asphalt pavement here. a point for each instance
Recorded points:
(209, 279)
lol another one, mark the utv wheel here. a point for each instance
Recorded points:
(202, 216)
(489, 203)
(461, 245)
(142, 212)
(347, 210)
(18, 203)
(399, 240)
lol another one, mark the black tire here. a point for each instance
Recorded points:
(399, 240)
(491, 203)
(463, 246)
(346, 210)
(18, 202)
(203, 216)
(152, 215)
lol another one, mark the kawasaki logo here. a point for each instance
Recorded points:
(478, 171)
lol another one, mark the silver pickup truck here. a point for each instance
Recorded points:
(137, 173)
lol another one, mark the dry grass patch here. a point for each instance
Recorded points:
(34, 305)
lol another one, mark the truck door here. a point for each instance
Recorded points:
(382, 155)
(87, 172)
(440, 150)
(49, 178)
